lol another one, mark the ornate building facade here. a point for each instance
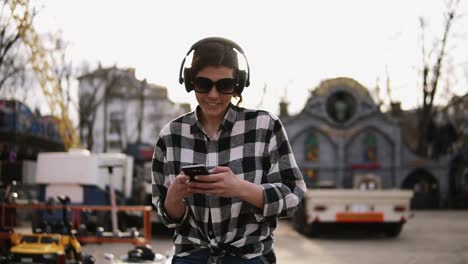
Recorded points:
(342, 140)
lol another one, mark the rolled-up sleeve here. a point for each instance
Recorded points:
(285, 185)
(160, 183)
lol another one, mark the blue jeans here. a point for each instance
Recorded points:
(201, 257)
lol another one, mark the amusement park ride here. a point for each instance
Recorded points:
(63, 243)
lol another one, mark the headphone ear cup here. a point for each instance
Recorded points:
(188, 79)
(242, 80)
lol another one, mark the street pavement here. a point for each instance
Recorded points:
(430, 237)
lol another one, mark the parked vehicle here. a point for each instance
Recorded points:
(47, 248)
(58, 246)
(365, 208)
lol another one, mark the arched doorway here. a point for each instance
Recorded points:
(425, 188)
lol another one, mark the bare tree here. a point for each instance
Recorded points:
(140, 116)
(87, 115)
(12, 55)
(62, 66)
(88, 106)
(432, 66)
(17, 77)
(110, 81)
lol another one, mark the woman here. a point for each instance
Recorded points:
(228, 216)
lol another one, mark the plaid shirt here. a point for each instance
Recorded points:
(254, 145)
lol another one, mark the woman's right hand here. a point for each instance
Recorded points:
(176, 193)
(178, 190)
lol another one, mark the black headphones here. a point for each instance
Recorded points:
(244, 77)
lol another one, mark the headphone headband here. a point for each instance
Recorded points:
(224, 41)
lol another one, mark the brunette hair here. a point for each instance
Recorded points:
(215, 54)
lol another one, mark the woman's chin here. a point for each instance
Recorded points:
(213, 112)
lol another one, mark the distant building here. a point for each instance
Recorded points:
(120, 111)
(341, 136)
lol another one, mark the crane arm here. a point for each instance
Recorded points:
(22, 15)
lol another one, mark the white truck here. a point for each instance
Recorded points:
(365, 208)
(86, 178)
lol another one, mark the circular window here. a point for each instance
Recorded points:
(341, 106)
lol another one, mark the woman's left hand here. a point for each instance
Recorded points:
(221, 182)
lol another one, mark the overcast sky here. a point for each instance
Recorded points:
(291, 45)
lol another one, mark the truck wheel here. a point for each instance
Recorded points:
(301, 225)
(393, 229)
(299, 219)
(313, 230)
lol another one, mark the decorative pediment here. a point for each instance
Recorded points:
(340, 101)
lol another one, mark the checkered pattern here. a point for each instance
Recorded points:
(254, 145)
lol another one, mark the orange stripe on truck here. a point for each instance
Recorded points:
(359, 217)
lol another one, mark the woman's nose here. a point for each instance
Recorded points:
(213, 91)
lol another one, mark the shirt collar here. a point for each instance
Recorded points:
(227, 123)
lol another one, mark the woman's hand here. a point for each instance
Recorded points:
(178, 190)
(221, 182)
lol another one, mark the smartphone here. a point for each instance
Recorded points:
(193, 170)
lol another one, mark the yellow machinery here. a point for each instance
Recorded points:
(21, 13)
(47, 248)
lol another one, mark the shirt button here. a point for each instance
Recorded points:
(210, 233)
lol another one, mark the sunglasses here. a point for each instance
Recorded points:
(224, 86)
